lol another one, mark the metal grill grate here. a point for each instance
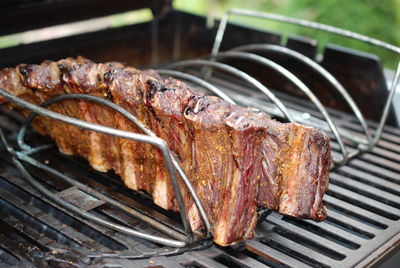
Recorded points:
(363, 211)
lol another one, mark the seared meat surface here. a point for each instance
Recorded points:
(238, 159)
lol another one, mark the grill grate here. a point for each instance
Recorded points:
(363, 212)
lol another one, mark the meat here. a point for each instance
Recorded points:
(238, 159)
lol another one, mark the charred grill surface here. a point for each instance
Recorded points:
(238, 159)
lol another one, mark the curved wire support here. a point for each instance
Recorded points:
(132, 118)
(126, 114)
(22, 156)
(238, 73)
(198, 81)
(323, 72)
(386, 109)
(281, 70)
(150, 138)
(322, 27)
(147, 131)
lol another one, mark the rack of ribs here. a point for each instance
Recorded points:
(238, 159)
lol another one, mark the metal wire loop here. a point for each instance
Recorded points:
(142, 127)
(320, 70)
(241, 74)
(283, 71)
(327, 28)
(149, 138)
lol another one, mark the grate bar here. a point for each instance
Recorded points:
(237, 256)
(7, 258)
(388, 147)
(357, 210)
(310, 235)
(390, 135)
(272, 254)
(249, 262)
(299, 248)
(382, 162)
(379, 207)
(338, 231)
(391, 147)
(376, 170)
(387, 152)
(23, 238)
(85, 214)
(352, 223)
(159, 262)
(19, 250)
(28, 231)
(376, 182)
(389, 199)
(204, 260)
(383, 147)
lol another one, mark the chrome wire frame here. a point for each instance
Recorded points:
(287, 74)
(364, 145)
(242, 52)
(321, 71)
(149, 137)
(240, 74)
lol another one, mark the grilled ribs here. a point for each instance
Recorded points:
(238, 159)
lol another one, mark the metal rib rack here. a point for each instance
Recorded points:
(150, 137)
(363, 145)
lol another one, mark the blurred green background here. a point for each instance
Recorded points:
(376, 18)
(379, 19)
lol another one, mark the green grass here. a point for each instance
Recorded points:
(379, 19)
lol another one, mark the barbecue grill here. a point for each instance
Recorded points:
(57, 211)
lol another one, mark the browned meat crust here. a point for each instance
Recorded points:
(238, 159)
